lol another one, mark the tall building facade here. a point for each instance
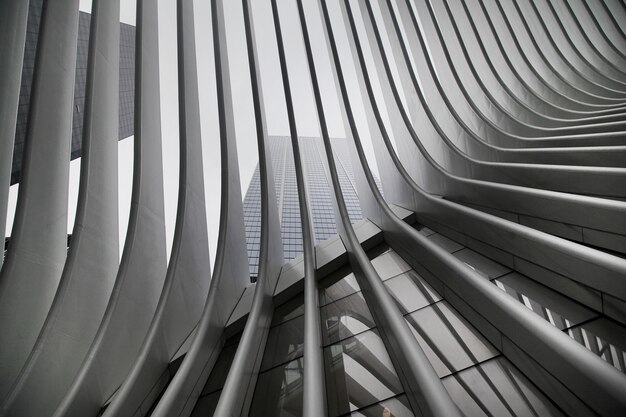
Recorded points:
(319, 193)
(487, 280)
(126, 88)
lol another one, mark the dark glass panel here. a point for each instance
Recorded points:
(218, 375)
(497, 388)
(389, 264)
(206, 405)
(338, 289)
(289, 310)
(411, 292)
(448, 340)
(345, 318)
(284, 343)
(359, 373)
(278, 391)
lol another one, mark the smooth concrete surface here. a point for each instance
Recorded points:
(34, 264)
(314, 383)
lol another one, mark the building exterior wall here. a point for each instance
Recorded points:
(127, 83)
(319, 191)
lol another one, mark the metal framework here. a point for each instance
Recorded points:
(499, 136)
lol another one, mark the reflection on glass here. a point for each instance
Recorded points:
(411, 292)
(560, 311)
(289, 310)
(393, 407)
(279, 391)
(359, 373)
(389, 264)
(497, 388)
(604, 338)
(284, 343)
(339, 289)
(345, 318)
(448, 340)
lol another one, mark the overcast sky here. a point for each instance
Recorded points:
(275, 109)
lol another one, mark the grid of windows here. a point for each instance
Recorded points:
(252, 221)
(319, 190)
(127, 83)
(290, 225)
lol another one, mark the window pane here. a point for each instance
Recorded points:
(339, 289)
(497, 388)
(448, 340)
(284, 343)
(279, 391)
(411, 292)
(359, 373)
(345, 318)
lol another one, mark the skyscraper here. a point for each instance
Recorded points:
(126, 88)
(319, 191)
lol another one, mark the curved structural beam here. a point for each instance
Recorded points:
(93, 257)
(517, 44)
(554, 351)
(241, 380)
(13, 19)
(144, 261)
(426, 393)
(568, 259)
(188, 275)
(461, 144)
(231, 275)
(32, 269)
(426, 170)
(314, 386)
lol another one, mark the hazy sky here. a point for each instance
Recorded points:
(274, 100)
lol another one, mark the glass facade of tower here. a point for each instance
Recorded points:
(127, 82)
(319, 191)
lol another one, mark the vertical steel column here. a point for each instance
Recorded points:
(144, 261)
(314, 383)
(426, 394)
(13, 21)
(93, 257)
(231, 273)
(33, 266)
(188, 276)
(240, 383)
